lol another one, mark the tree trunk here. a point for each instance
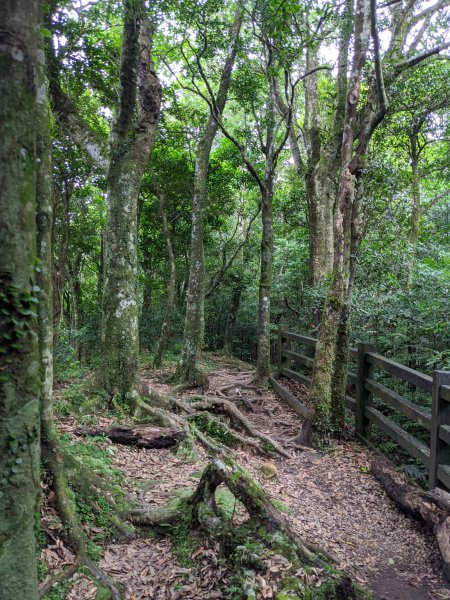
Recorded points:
(416, 211)
(334, 324)
(170, 289)
(265, 281)
(195, 318)
(340, 370)
(22, 95)
(130, 151)
(232, 315)
(320, 193)
(59, 272)
(320, 183)
(334, 318)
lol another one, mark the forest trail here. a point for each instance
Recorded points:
(333, 501)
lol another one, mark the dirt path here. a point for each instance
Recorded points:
(333, 499)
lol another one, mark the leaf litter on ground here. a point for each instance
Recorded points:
(331, 499)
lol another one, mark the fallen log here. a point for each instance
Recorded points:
(140, 436)
(413, 501)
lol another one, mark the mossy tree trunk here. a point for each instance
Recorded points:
(320, 180)
(265, 277)
(21, 95)
(131, 140)
(130, 148)
(331, 356)
(195, 300)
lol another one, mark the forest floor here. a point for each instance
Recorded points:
(333, 500)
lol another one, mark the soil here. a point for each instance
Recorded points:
(333, 501)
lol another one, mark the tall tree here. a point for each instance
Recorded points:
(360, 118)
(131, 139)
(130, 147)
(195, 304)
(21, 92)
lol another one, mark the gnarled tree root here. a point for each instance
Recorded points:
(66, 573)
(430, 508)
(56, 460)
(246, 546)
(223, 405)
(245, 441)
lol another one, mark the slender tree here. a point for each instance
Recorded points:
(171, 281)
(195, 303)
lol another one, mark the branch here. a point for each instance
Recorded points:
(129, 63)
(382, 98)
(69, 119)
(216, 279)
(293, 140)
(435, 200)
(251, 168)
(291, 308)
(415, 60)
(429, 11)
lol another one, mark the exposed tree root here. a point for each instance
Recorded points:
(245, 441)
(211, 403)
(246, 546)
(159, 416)
(208, 444)
(73, 531)
(66, 573)
(426, 507)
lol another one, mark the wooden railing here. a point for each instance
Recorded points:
(436, 456)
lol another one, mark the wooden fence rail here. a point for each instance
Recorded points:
(436, 456)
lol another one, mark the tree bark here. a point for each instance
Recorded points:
(265, 280)
(194, 318)
(334, 324)
(232, 315)
(416, 209)
(320, 182)
(130, 148)
(22, 94)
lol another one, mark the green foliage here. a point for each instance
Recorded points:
(214, 428)
(18, 309)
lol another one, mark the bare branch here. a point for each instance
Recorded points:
(216, 279)
(382, 98)
(69, 119)
(415, 60)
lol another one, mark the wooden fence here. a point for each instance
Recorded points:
(435, 457)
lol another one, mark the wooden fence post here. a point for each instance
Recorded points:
(440, 415)
(363, 396)
(283, 343)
